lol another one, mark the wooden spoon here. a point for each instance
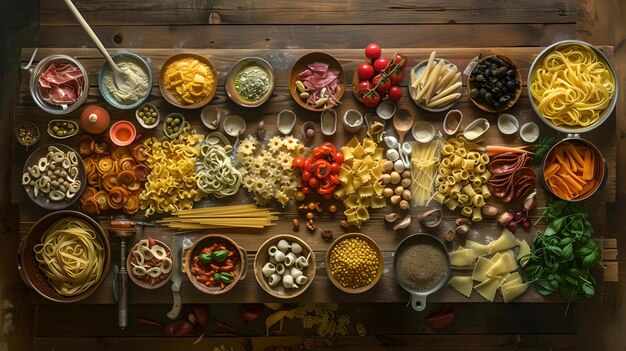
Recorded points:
(122, 81)
(402, 123)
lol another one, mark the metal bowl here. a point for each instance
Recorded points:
(35, 91)
(106, 68)
(605, 114)
(28, 267)
(418, 298)
(44, 201)
(232, 74)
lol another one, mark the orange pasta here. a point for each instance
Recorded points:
(570, 170)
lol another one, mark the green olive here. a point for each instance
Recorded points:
(176, 129)
(60, 133)
(169, 120)
(55, 129)
(154, 114)
(140, 114)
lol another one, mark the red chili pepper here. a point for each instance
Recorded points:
(151, 241)
(334, 178)
(326, 187)
(326, 151)
(442, 318)
(223, 325)
(321, 168)
(149, 322)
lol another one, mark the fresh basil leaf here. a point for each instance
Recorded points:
(588, 290)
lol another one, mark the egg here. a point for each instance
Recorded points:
(393, 155)
(398, 166)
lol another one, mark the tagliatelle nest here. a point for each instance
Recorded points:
(267, 171)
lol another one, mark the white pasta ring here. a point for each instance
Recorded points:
(139, 271)
(66, 163)
(166, 265)
(159, 252)
(154, 272)
(42, 164)
(26, 179)
(138, 257)
(146, 252)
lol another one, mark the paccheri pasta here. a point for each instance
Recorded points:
(360, 176)
(461, 174)
(266, 171)
(171, 185)
(71, 255)
(572, 86)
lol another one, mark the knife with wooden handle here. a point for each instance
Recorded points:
(176, 278)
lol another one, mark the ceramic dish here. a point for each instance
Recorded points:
(372, 244)
(267, 254)
(175, 133)
(140, 119)
(168, 95)
(328, 122)
(27, 134)
(122, 133)
(240, 260)
(452, 122)
(28, 267)
(476, 129)
(607, 111)
(211, 117)
(56, 127)
(509, 103)
(507, 124)
(139, 61)
(302, 64)
(35, 88)
(352, 121)
(231, 78)
(529, 132)
(417, 72)
(386, 109)
(234, 125)
(160, 280)
(423, 131)
(286, 119)
(42, 199)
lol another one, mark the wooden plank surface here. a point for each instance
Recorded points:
(321, 291)
(265, 36)
(173, 12)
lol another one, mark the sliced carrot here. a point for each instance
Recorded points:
(551, 170)
(493, 150)
(575, 155)
(588, 167)
(570, 182)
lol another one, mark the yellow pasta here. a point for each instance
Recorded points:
(572, 86)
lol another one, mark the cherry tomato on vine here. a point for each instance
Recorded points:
(298, 162)
(334, 167)
(396, 78)
(305, 190)
(372, 99)
(307, 163)
(306, 176)
(380, 64)
(365, 71)
(397, 58)
(395, 93)
(363, 87)
(383, 83)
(373, 51)
(314, 182)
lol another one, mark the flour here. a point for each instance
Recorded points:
(137, 85)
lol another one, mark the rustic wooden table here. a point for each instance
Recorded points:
(281, 32)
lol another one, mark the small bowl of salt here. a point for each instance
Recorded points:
(135, 91)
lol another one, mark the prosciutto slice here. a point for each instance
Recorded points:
(61, 84)
(320, 82)
(510, 176)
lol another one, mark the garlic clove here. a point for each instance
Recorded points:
(392, 217)
(462, 229)
(403, 223)
(490, 211)
(431, 218)
(449, 235)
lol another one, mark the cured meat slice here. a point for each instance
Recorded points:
(61, 83)
(319, 68)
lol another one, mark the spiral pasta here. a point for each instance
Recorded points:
(572, 86)
(71, 255)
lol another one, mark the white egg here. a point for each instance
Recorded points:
(398, 166)
(393, 155)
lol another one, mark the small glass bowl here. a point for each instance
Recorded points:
(35, 89)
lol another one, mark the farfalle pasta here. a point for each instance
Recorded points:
(266, 171)
(360, 176)
(172, 183)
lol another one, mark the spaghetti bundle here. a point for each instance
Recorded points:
(71, 255)
(237, 216)
(424, 159)
(572, 86)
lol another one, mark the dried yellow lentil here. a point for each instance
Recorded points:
(353, 263)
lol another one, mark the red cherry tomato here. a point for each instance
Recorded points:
(307, 164)
(328, 196)
(298, 162)
(372, 99)
(395, 93)
(383, 83)
(334, 168)
(397, 58)
(380, 64)
(338, 157)
(306, 176)
(314, 182)
(305, 190)
(396, 78)
(365, 71)
(373, 51)
(362, 88)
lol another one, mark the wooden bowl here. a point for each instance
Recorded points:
(208, 240)
(139, 281)
(373, 245)
(28, 267)
(262, 257)
(301, 64)
(168, 95)
(232, 74)
(511, 102)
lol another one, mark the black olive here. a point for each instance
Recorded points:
(501, 71)
(480, 78)
(487, 73)
(474, 93)
(489, 97)
(495, 105)
(499, 85)
(498, 61)
(493, 79)
(482, 92)
(496, 90)
(504, 98)
(510, 73)
(510, 85)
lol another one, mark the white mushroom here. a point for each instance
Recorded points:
(268, 269)
(302, 262)
(274, 279)
(288, 282)
(295, 272)
(296, 248)
(279, 256)
(283, 245)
